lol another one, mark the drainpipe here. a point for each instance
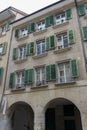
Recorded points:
(79, 23)
(6, 70)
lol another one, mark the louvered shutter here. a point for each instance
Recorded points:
(4, 45)
(74, 68)
(15, 53)
(71, 37)
(53, 72)
(16, 33)
(52, 44)
(48, 72)
(12, 80)
(1, 74)
(81, 10)
(68, 13)
(84, 33)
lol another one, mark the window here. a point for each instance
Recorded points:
(23, 32)
(62, 41)
(1, 49)
(3, 30)
(40, 26)
(40, 76)
(22, 52)
(60, 18)
(41, 47)
(64, 74)
(20, 79)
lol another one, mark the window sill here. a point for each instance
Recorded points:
(17, 89)
(40, 32)
(62, 50)
(60, 25)
(39, 56)
(40, 86)
(22, 38)
(67, 83)
(20, 60)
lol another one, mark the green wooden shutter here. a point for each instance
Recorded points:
(71, 38)
(4, 45)
(81, 10)
(27, 49)
(52, 44)
(12, 80)
(31, 27)
(49, 21)
(84, 32)
(74, 68)
(1, 74)
(31, 76)
(68, 14)
(47, 43)
(7, 25)
(26, 77)
(53, 72)
(31, 48)
(48, 72)
(16, 33)
(15, 53)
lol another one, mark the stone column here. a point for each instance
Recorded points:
(84, 119)
(39, 121)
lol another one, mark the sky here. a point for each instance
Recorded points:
(28, 6)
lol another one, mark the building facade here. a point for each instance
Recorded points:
(46, 79)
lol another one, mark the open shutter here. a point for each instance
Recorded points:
(31, 48)
(7, 25)
(74, 68)
(81, 10)
(26, 77)
(49, 21)
(12, 80)
(15, 53)
(1, 74)
(31, 76)
(16, 33)
(27, 49)
(52, 44)
(48, 72)
(84, 32)
(4, 45)
(68, 14)
(71, 38)
(53, 72)
(47, 43)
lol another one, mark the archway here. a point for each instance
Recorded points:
(22, 116)
(62, 114)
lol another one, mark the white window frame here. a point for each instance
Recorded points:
(1, 49)
(40, 25)
(64, 78)
(22, 52)
(61, 19)
(40, 44)
(23, 32)
(61, 43)
(20, 79)
(40, 76)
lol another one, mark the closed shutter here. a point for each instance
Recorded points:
(15, 53)
(49, 21)
(84, 32)
(47, 43)
(4, 45)
(53, 72)
(26, 77)
(71, 37)
(74, 68)
(30, 48)
(1, 74)
(81, 10)
(52, 45)
(48, 73)
(31, 27)
(31, 76)
(12, 80)
(16, 33)
(68, 14)
(7, 25)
